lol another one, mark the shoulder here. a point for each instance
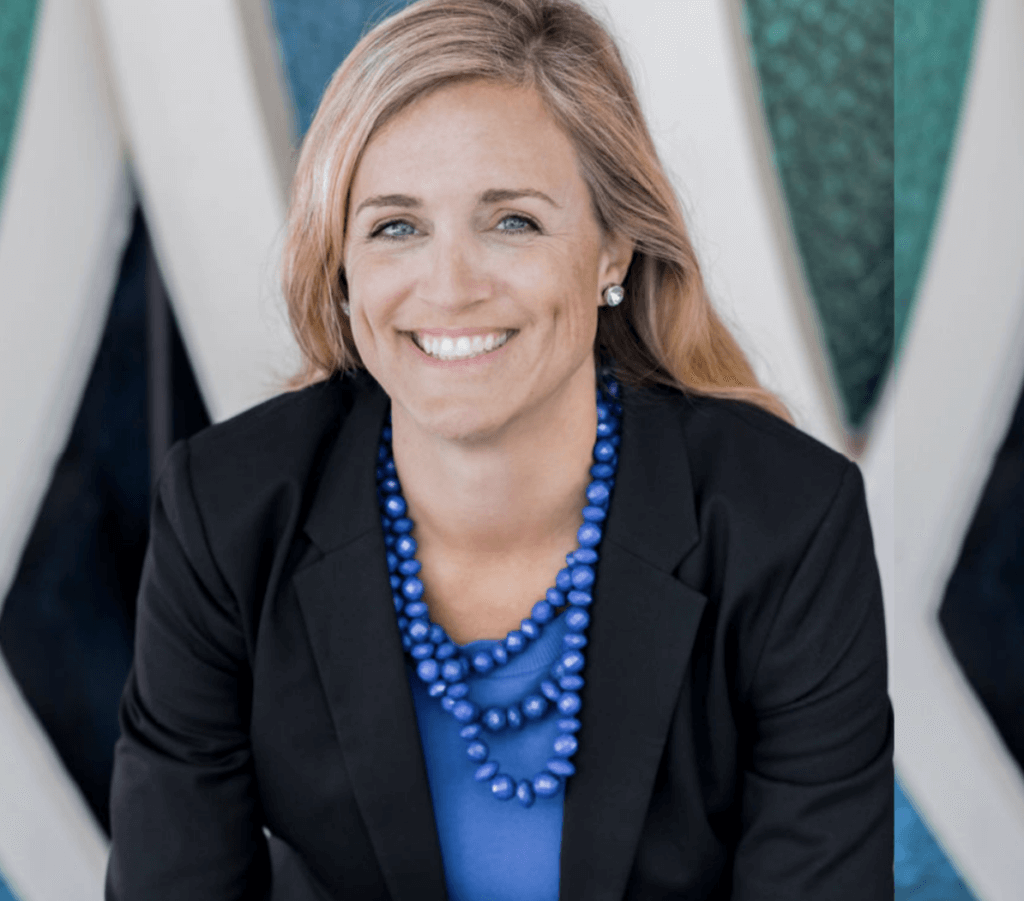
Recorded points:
(756, 481)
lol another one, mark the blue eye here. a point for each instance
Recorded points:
(518, 224)
(395, 229)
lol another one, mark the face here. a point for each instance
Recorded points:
(475, 263)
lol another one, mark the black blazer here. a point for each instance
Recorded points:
(737, 734)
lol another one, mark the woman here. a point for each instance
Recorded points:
(366, 666)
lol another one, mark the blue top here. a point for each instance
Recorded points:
(498, 850)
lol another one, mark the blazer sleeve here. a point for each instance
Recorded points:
(184, 807)
(817, 797)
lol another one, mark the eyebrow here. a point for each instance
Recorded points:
(494, 195)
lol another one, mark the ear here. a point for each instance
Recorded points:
(613, 264)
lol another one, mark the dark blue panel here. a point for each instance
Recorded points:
(315, 36)
(982, 613)
(66, 629)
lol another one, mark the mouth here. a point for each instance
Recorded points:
(460, 347)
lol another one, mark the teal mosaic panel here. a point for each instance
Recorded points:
(933, 43)
(17, 18)
(314, 37)
(826, 81)
(923, 872)
(5, 893)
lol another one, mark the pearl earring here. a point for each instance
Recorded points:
(345, 308)
(614, 295)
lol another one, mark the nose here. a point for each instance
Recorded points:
(454, 275)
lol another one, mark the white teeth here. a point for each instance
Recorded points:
(462, 348)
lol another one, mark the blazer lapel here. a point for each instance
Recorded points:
(346, 602)
(641, 638)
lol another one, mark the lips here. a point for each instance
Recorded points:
(460, 347)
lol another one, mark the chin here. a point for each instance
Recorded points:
(461, 421)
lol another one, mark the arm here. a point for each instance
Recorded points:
(184, 806)
(817, 800)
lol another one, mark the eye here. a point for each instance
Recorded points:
(396, 228)
(516, 223)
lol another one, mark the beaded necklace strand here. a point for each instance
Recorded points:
(440, 663)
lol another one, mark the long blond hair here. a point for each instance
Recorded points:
(665, 332)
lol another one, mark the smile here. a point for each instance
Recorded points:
(460, 347)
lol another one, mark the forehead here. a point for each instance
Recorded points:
(470, 136)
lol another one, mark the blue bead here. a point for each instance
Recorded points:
(402, 525)
(419, 629)
(385, 434)
(577, 619)
(444, 650)
(570, 561)
(499, 654)
(602, 471)
(546, 784)
(594, 514)
(605, 430)
(598, 493)
(395, 581)
(615, 441)
(563, 581)
(542, 611)
(574, 640)
(399, 603)
(465, 711)
(569, 704)
(573, 661)
(530, 629)
(390, 486)
(611, 387)
(457, 690)
(569, 724)
(437, 689)
(584, 555)
(389, 540)
(580, 598)
(603, 413)
(451, 671)
(392, 561)
(534, 707)
(389, 467)
(405, 546)
(494, 718)
(486, 771)
(478, 751)
(524, 793)
(428, 670)
(588, 534)
(406, 642)
(412, 588)
(515, 641)
(383, 454)
(422, 651)
(447, 704)
(403, 623)
(394, 506)
(566, 745)
(502, 787)
(571, 683)
(437, 634)
(469, 732)
(416, 609)
(550, 691)
(561, 767)
(514, 717)
(554, 597)
(409, 567)
(482, 662)
(582, 576)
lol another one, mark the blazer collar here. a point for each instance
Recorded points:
(643, 628)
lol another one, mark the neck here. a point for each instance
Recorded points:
(515, 490)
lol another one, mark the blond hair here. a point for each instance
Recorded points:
(665, 332)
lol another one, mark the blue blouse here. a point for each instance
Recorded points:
(498, 850)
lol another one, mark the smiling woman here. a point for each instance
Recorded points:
(531, 592)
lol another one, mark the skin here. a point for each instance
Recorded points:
(468, 215)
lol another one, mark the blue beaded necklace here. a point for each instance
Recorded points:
(440, 663)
